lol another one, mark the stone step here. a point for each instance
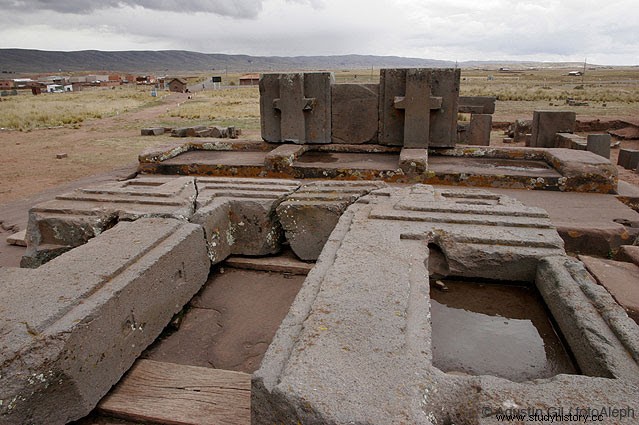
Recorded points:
(179, 394)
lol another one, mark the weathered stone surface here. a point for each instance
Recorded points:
(362, 318)
(570, 141)
(155, 131)
(418, 107)
(354, 113)
(18, 238)
(599, 144)
(187, 131)
(521, 128)
(477, 104)
(621, 279)
(602, 337)
(628, 253)
(628, 158)
(413, 161)
(238, 215)
(462, 132)
(479, 130)
(309, 215)
(296, 107)
(282, 157)
(582, 171)
(73, 327)
(546, 124)
(73, 218)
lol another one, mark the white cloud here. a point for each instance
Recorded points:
(550, 30)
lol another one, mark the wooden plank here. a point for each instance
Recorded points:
(279, 264)
(176, 394)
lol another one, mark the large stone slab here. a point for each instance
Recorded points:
(73, 218)
(479, 129)
(239, 215)
(356, 344)
(621, 279)
(546, 124)
(418, 107)
(354, 113)
(296, 107)
(309, 215)
(599, 144)
(71, 328)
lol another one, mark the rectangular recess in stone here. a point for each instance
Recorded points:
(506, 324)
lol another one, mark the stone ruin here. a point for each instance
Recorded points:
(340, 178)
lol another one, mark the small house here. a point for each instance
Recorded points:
(250, 80)
(177, 85)
(575, 73)
(6, 84)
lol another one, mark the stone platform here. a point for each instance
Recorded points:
(361, 317)
(518, 168)
(356, 345)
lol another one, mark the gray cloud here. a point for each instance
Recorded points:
(231, 8)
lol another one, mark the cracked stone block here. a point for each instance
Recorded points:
(71, 219)
(239, 215)
(71, 328)
(309, 215)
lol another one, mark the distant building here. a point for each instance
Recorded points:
(575, 73)
(250, 80)
(177, 85)
(6, 84)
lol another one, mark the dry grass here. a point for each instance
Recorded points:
(27, 112)
(232, 105)
(554, 85)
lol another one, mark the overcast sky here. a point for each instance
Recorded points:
(604, 32)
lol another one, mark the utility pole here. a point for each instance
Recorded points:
(583, 74)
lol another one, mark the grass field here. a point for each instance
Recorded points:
(27, 112)
(609, 92)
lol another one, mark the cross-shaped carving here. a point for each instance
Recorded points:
(292, 104)
(417, 104)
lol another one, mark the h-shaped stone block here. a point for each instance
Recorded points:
(418, 107)
(296, 107)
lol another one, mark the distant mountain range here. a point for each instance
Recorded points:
(21, 61)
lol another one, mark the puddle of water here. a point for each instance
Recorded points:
(318, 157)
(495, 329)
